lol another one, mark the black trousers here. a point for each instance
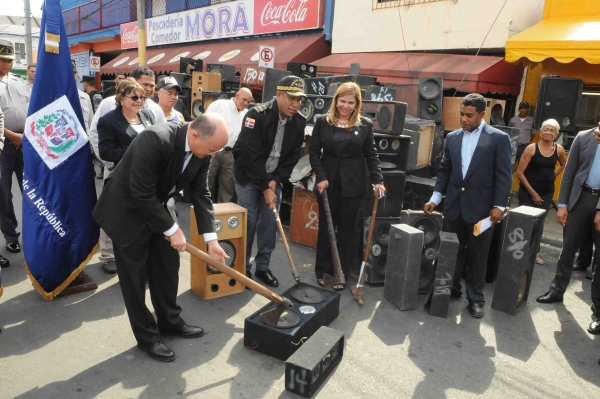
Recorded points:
(150, 258)
(344, 213)
(472, 252)
(586, 249)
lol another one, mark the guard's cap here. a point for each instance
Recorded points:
(7, 51)
(524, 104)
(88, 79)
(292, 85)
(169, 83)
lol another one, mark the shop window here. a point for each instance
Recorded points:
(378, 4)
(20, 51)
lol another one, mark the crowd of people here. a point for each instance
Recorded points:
(138, 131)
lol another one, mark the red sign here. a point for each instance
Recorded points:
(286, 15)
(253, 76)
(129, 35)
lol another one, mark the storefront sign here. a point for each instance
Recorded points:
(225, 20)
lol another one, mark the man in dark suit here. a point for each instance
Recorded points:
(475, 175)
(577, 200)
(132, 211)
(266, 151)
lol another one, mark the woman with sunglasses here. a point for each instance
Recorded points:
(118, 128)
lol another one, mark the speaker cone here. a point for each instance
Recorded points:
(197, 108)
(379, 267)
(383, 144)
(430, 89)
(429, 228)
(382, 234)
(307, 295)
(384, 117)
(426, 277)
(307, 109)
(230, 250)
(288, 319)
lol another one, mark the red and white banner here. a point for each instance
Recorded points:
(129, 35)
(286, 15)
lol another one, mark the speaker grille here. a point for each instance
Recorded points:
(230, 250)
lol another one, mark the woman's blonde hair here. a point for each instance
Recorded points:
(346, 89)
(125, 88)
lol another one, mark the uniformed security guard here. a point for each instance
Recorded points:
(88, 86)
(266, 151)
(14, 101)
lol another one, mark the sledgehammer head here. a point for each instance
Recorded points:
(271, 317)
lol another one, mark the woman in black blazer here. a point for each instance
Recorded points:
(118, 128)
(341, 142)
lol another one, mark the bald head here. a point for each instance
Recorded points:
(207, 134)
(243, 98)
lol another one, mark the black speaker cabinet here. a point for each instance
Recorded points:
(437, 149)
(302, 70)
(272, 77)
(185, 95)
(317, 86)
(559, 98)
(227, 72)
(388, 117)
(189, 65)
(313, 106)
(392, 151)
(391, 204)
(403, 266)
(312, 308)
(513, 133)
(183, 79)
(375, 272)
(439, 298)
(379, 93)
(309, 367)
(417, 192)
(430, 98)
(517, 260)
(431, 226)
(230, 85)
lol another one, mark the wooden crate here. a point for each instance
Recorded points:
(304, 222)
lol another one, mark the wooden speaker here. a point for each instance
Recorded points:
(201, 82)
(231, 227)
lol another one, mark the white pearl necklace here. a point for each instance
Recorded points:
(342, 124)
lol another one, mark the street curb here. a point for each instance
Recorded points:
(552, 241)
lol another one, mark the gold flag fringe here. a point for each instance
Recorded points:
(1, 290)
(48, 296)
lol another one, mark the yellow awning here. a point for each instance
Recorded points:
(564, 39)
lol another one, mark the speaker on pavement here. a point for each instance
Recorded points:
(375, 273)
(309, 366)
(522, 238)
(388, 116)
(393, 150)
(201, 82)
(302, 70)
(403, 266)
(227, 72)
(431, 226)
(230, 225)
(422, 134)
(189, 65)
(272, 77)
(391, 204)
(439, 298)
(430, 98)
(559, 98)
(313, 106)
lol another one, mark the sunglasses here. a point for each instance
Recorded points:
(135, 98)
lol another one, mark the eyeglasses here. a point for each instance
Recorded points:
(135, 98)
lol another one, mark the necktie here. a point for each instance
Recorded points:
(186, 159)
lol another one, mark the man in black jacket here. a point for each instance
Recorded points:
(266, 151)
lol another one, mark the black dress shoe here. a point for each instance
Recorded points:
(13, 246)
(476, 310)
(549, 297)
(186, 331)
(455, 293)
(589, 276)
(579, 268)
(4, 262)
(268, 278)
(594, 327)
(158, 351)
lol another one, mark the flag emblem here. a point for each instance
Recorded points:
(249, 123)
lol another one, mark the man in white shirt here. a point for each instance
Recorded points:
(233, 110)
(145, 77)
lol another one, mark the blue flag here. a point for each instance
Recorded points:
(59, 234)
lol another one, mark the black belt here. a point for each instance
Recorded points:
(520, 144)
(594, 191)
(227, 149)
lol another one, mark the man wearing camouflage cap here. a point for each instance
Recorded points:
(267, 149)
(14, 101)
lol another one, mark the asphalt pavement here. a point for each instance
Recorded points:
(81, 346)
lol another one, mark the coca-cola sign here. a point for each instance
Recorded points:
(286, 15)
(129, 35)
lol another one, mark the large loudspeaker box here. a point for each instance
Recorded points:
(391, 204)
(431, 98)
(388, 117)
(189, 65)
(317, 86)
(559, 98)
(227, 72)
(313, 106)
(272, 77)
(231, 227)
(302, 70)
(392, 151)
(375, 272)
(431, 226)
(422, 134)
(202, 82)
(523, 233)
